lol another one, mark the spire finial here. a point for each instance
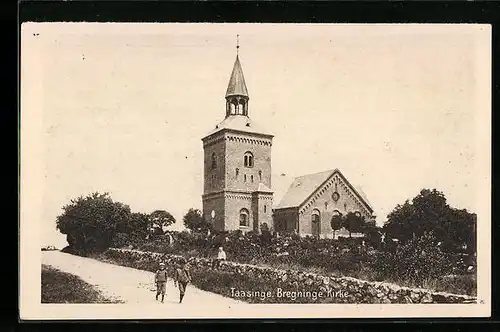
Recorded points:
(237, 44)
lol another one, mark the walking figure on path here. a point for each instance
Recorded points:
(182, 277)
(161, 282)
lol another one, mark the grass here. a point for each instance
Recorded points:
(62, 287)
(459, 284)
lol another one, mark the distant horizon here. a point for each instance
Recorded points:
(125, 106)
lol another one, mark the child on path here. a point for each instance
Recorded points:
(182, 277)
(161, 282)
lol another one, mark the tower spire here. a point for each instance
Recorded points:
(237, 93)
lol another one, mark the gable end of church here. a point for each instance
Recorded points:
(337, 182)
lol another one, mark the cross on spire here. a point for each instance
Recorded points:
(237, 44)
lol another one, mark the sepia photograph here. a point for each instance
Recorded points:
(177, 171)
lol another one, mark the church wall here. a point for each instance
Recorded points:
(236, 146)
(262, 210)
(219, 148)
(233, 205)
(347, 202)
(216, 204)
(289, 217)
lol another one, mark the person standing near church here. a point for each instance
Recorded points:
(221, 256)
(161, 282)
(182, 277)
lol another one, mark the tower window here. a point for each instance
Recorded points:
(251, 178)
(214, 180)
(241, 107)
(248, 159)
(214, 161)
(265, 208)
(260, 175)
(245, 178)
(244, 218)
(237, 172)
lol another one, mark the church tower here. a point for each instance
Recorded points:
(237, 165)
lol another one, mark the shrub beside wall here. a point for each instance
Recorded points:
(418, 263)
(267, 284)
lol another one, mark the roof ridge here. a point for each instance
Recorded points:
(318, 187)
(315, 173)
(327, 175)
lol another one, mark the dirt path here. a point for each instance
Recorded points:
(127, 284)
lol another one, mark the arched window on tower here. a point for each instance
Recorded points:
(248, 159)
(244, 218)
(260, 175)
(214, 161)
(251, 178)
(241, 107)
(237, 172)
(238, 108)
(232, 107)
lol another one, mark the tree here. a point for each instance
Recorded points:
(460, 228)
(428, 212)
(372, 234)
(91, 222)
(265, 234)
(353, 223)
(194, 221)
(336, 222)
(139, 226)
(160, 219)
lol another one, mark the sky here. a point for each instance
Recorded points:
(124, 107)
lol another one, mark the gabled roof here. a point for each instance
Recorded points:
(301, 188)
(305, 186)
(240, 123)
(237, 86)
(363, 196)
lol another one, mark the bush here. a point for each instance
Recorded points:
(121, 240)
(339, 256)
(416, 261)
(91, 222)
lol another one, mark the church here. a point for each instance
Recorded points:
(311, 201)
(237, 185)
